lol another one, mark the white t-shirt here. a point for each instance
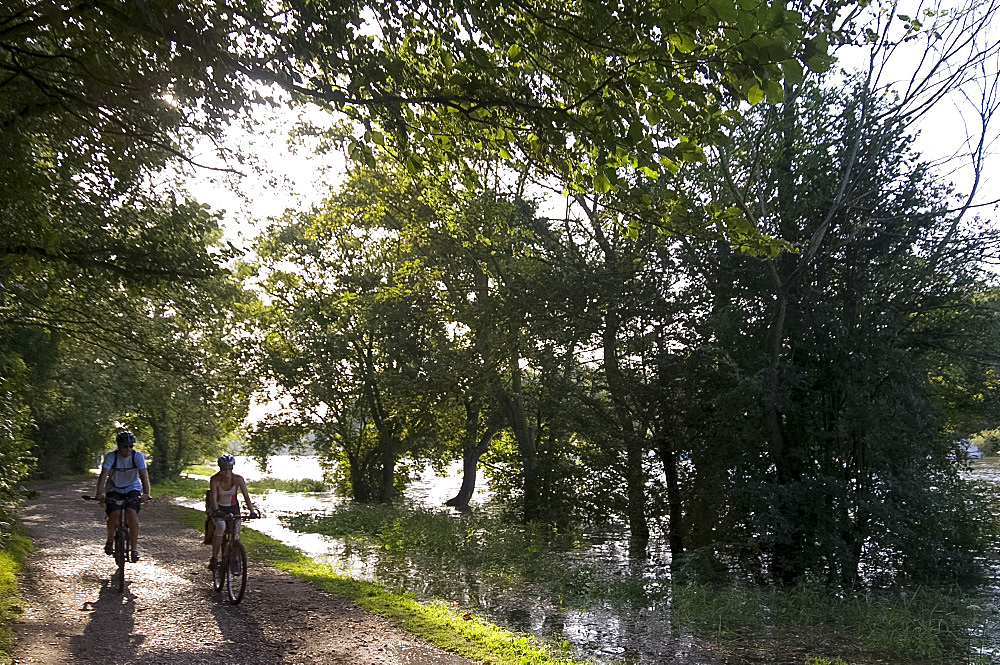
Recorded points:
(123, 474)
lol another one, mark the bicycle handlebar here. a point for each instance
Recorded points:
(249, 516)
(87, 497)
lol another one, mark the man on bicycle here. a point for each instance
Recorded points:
(222, 501)
(124, 474)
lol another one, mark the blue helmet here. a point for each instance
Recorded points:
(227, 460)
(125, 438)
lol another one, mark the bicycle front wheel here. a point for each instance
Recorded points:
(121, 555)
(236, 572)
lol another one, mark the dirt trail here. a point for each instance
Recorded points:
(169, 612)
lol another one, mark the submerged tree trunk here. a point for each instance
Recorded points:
(622, 397)
(635, 441)
(512, 405)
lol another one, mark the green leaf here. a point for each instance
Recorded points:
(755, 96)
(633, 229)
(602, 184)
(792, 70)
(683, 43)
(775, 92)
(514, 52)
(669, 164)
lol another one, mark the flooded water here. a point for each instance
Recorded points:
(987, 636)
(614, 630)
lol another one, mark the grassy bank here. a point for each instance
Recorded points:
(449, 629)
(194, 487)
(14, 548)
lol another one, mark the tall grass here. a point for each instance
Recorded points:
(503, 555)
(928, 625)
(14, 549)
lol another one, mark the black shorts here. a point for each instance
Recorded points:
(131, 501)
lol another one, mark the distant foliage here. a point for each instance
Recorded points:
(988, 441)
(15, 422)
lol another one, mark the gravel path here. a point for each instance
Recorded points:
(169, 612)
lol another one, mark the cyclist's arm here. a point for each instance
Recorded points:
(213, 502)
(144, 478)
(101, 481)
(246, 495)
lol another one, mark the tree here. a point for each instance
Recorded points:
(351, 328)
(850, 428)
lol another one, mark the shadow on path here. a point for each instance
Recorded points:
(108, 636)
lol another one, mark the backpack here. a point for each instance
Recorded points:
(114, 464)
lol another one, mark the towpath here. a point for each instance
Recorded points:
(169, 613)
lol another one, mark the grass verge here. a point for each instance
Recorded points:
(194, 487)
(453, 631)
(14, 549)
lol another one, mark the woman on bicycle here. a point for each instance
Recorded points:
(222, 500)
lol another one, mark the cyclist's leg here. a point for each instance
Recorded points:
(132, 507)
(112, 522)
(112, 525)
(133, 527)
(111, 509)
(220, 528)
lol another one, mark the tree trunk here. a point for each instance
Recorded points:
(621, 397)
(527, 448)
(635, 477)
(387, 449)
(161, 449)
(675, 525)
(362, 483)
(474, 445)
(512, 404)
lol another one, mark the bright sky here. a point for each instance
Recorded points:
(284, 173)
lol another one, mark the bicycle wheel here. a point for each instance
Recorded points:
(219, 574)
(121, 554)
(236, 572)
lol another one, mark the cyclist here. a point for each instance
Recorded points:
(123, 473)
(222, 501)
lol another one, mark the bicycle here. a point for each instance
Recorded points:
(122, 542)
(231, 568)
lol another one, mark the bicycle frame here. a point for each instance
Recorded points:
(122, 541)
(231, 568)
